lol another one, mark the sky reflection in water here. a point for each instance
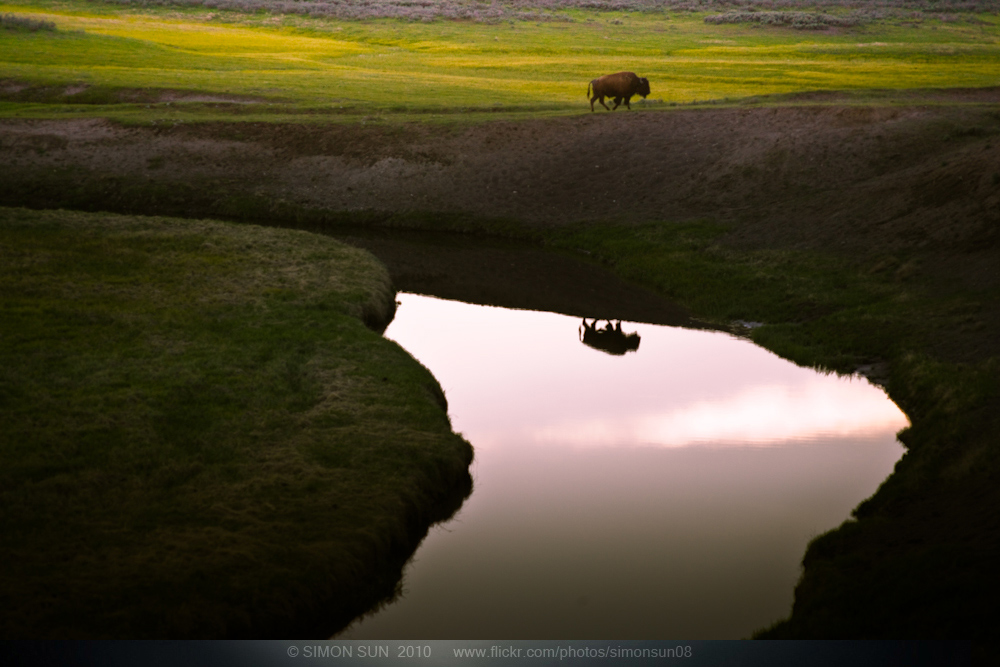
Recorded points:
(666, 493)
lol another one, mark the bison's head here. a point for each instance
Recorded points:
(643, 86)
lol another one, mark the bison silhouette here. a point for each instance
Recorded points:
(610, 338)
(619, 86)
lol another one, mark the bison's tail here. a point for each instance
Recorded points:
(588, 89)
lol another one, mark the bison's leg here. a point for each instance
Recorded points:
(599, 98)
(628, 102)
(618, 101)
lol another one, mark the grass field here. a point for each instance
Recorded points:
(200, 437)
(295, 64)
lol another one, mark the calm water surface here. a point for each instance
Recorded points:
(666, 493)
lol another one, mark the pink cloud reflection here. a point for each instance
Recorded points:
(668, 492)
(524, 377)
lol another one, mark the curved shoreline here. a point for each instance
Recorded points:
(864, 236)
(201, 438)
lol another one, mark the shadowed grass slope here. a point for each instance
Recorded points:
(917, 558)
(201, 438)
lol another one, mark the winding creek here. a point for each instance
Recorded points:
(667, 491)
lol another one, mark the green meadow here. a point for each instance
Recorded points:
(201, 438)
(300, 64)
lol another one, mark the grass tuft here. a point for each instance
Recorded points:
(25, 23)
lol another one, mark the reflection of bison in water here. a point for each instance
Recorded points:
(620, 86)
(610, 338)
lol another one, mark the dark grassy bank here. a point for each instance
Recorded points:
(863, 237)
(916, 561)
(201, 436)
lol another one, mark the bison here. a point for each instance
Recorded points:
(610, 338)
(620, 86)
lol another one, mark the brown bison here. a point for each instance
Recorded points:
(620, 86)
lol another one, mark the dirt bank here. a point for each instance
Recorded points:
(884, 179)
(884, 182)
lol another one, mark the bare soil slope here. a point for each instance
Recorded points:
(807, 175)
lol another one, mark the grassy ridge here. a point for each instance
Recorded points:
(201, 438)
(823, 310)
(391, 65)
